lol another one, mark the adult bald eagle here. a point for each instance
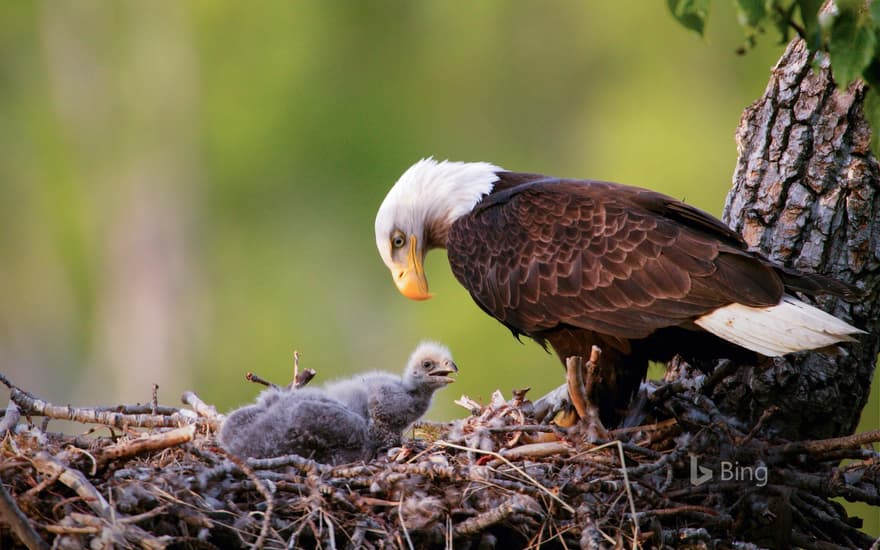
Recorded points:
(576, 263)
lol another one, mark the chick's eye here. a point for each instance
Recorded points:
(397, 240)
(426, 364)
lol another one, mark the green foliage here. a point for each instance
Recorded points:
(851, 40)
(847, 31)
(750, 12)
(691, 13)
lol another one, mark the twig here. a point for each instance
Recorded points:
(683, 509)
(10, 418)
(34, 406)
(304, 465)
(140, 408)
(48, 465)
(18, 522)
(154, 403)
(304, 377)
(154, 442)
(293, 379)
(765, 416)
(202, 409)
(658, 426)
(71, 530)
(824, 445)
(513, 505)
(537, 450)
(257, 379)
(403, 524)
(721, 371)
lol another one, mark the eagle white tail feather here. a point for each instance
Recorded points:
(790, 326)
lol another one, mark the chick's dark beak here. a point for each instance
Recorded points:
(443, 370)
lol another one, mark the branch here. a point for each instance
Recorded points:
(821, 446)
(146, 444)
(19, 523)
(34, 406)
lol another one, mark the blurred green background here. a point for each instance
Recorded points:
(187, 189)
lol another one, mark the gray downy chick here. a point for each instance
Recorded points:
(301, 421)
(426, 371)
(390, 402)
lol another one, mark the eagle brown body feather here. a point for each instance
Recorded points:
(574, 263)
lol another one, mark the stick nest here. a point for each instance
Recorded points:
(150, 476)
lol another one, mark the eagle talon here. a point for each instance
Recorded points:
(555, 407)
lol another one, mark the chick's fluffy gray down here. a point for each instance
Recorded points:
(345, 421)
(301, 421)
(390, 402)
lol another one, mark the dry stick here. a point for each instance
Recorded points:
(154, 404)
(537, 450)
(304, 465)
(304, 377)
(540, 428)
(70, 530)
(512, 465)
(824, 445)
(683, 509)
(403, 524)
(18, 522)
(765, 416)
(202, 409)
(484, 520)
(76, 480)
(153, 442)
(10, 418)
(140, 408)
(662, 425)
(256, 379)
(34, 406)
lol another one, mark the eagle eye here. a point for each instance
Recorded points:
(398, 240)
(427, 364)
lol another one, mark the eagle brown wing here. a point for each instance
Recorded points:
(616, 260)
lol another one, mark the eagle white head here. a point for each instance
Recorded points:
(418, 211)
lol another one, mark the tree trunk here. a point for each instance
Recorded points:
(805, 193)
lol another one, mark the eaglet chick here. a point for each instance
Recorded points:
(345, 421)
(390, 402)
(301, 421)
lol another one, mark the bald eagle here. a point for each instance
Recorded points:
(576, 263)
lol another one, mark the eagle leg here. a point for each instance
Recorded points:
(572, 401)
(581, 378)
(555, 406)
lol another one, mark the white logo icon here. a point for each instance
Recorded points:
(699, 474)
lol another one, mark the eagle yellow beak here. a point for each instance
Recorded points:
(411, 280)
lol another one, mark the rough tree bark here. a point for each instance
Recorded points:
(806, 192)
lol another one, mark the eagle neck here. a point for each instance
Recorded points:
(452, 191)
